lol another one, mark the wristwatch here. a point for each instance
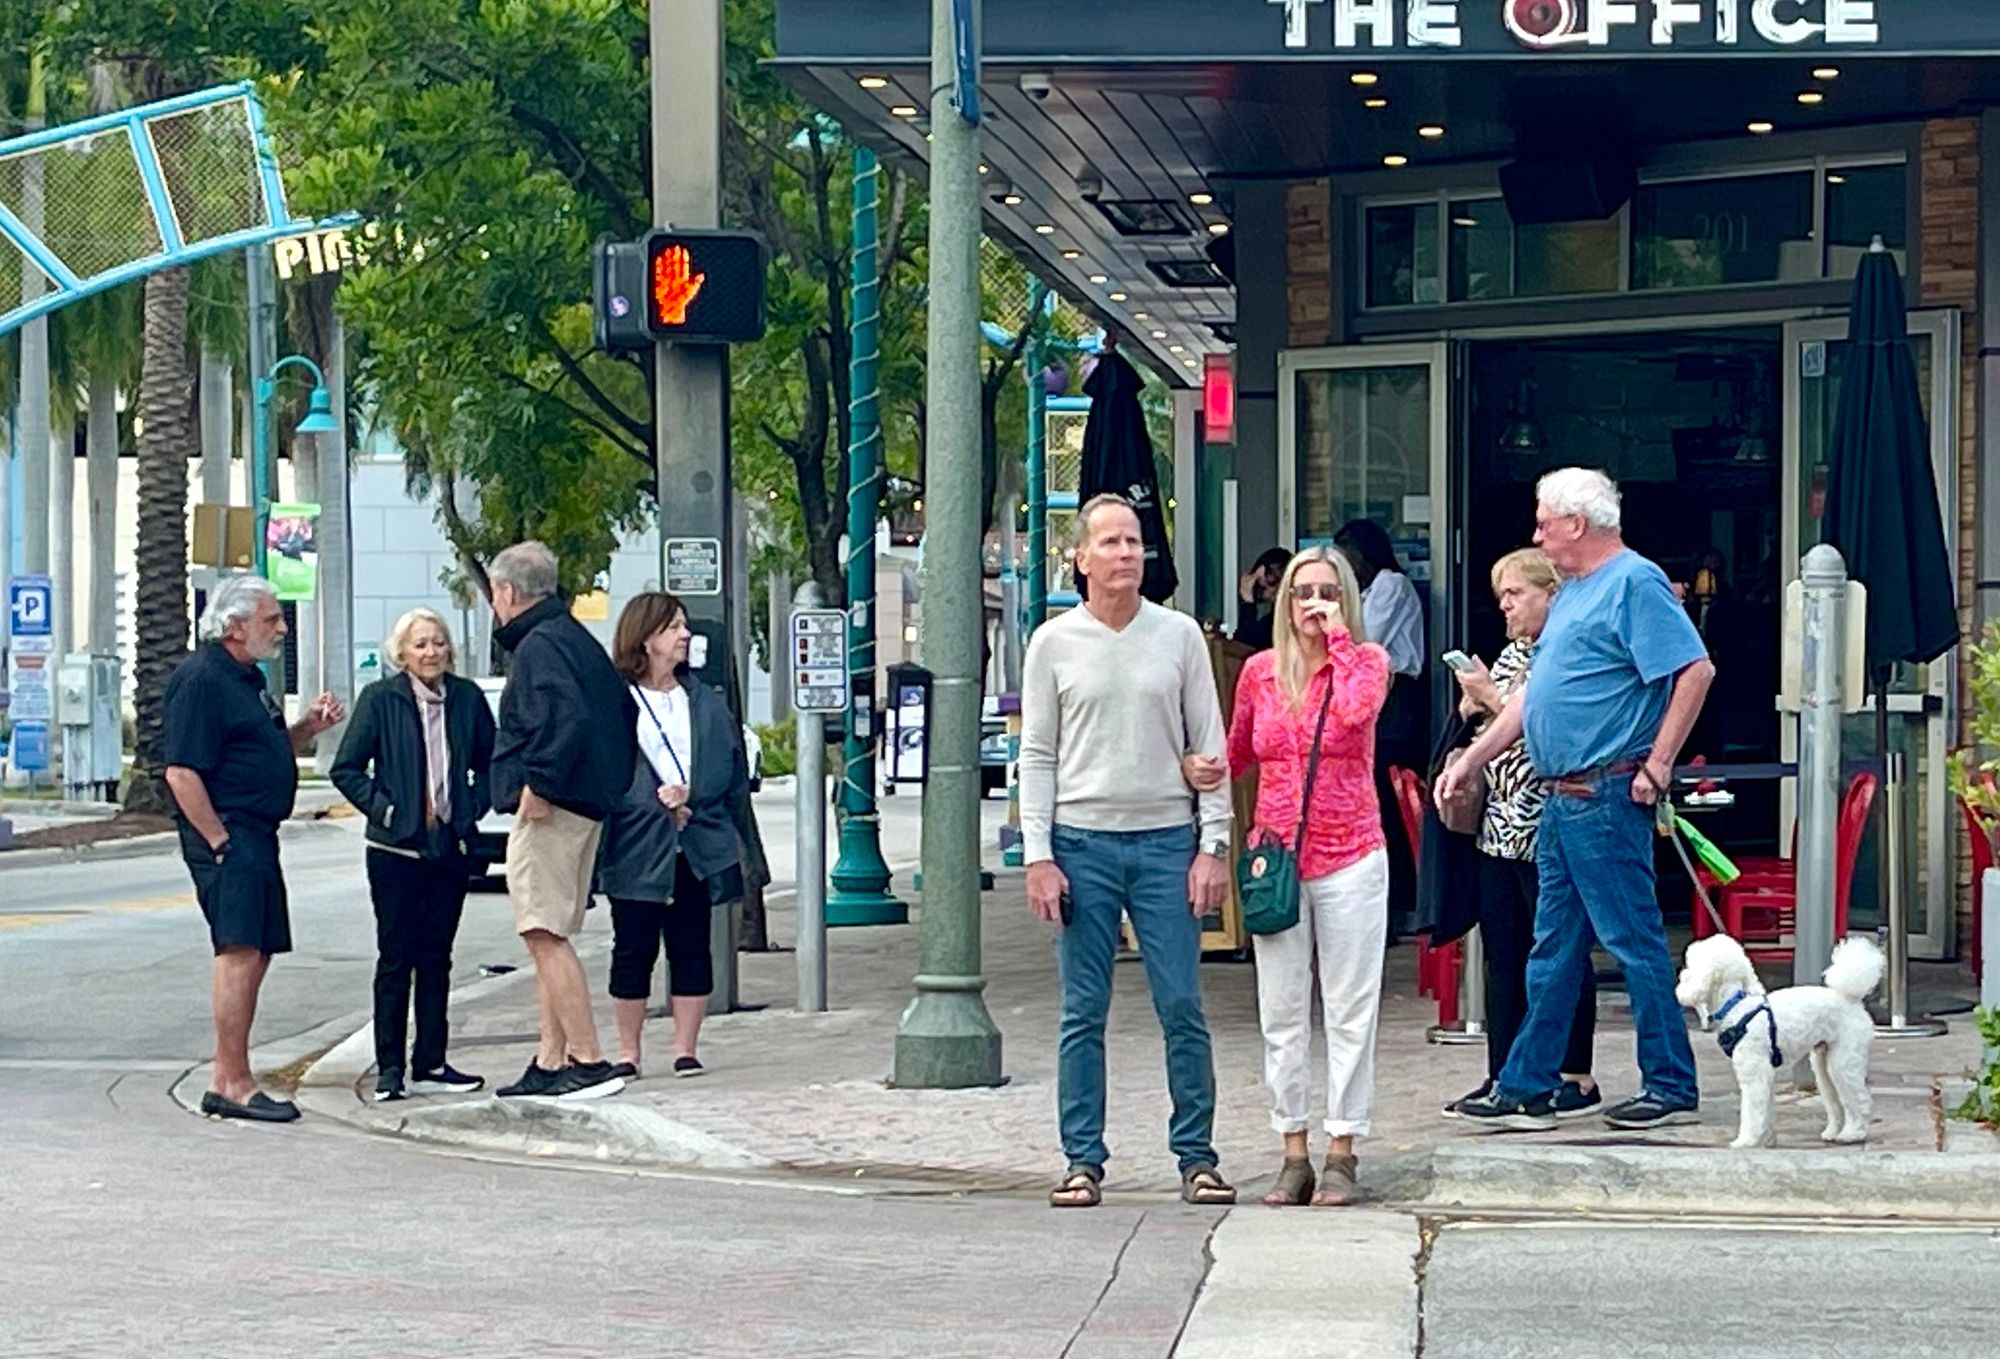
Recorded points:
(1217, 849)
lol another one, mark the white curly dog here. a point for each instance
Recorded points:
(1762, 1034)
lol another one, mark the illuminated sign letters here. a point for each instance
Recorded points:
(1540, 25)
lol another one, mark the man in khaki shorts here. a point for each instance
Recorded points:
(563, 757)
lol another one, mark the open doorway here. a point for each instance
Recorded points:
(1689, 423)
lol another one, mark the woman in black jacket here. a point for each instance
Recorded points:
(414, 762)
(671, 850)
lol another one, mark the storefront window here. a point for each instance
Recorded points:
(1403, 265)
(1568, 257)
(1863, 202)
(1713, 232)
(1482, 251)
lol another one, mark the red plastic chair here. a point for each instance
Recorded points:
(1980, 831)
(1765, 872)
(1438, 969)
(1760, 909)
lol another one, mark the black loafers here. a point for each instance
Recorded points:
(259, 1108)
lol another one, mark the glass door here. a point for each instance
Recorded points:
(1362, 434)
(1921, 698)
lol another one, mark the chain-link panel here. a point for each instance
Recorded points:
(11, 262)
(88, 200)
(1066, 451)
(208, 157)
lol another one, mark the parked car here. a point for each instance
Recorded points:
(487, 849)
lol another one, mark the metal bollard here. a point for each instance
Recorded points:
(1824, 576)
(1471, 1026)
(809, 799)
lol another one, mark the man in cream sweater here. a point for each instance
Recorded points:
(1115, 693)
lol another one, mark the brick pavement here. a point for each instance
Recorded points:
(810, 1092)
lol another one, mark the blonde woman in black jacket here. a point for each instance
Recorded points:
(414, 762)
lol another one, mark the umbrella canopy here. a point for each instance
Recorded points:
(1882, 507)
(1118, 459)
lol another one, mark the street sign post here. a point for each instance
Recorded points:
(819, 687)
(31, 645)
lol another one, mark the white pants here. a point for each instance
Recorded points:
(1343, 921)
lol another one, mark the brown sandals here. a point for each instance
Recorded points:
(1204, 1187)
(1294, 1186)
(1337, 1187)
(1081, 1187)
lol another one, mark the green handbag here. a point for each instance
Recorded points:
(1267, 876)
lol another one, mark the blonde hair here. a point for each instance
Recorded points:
(399, 638)
(1291, 667)
(1533, 566)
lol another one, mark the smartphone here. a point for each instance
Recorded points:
(1458, 661)
(1066, 908)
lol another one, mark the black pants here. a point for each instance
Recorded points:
(1508, 889)
(417, 906)
(1399, 741)
(639, 927)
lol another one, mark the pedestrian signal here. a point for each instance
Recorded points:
(687, 287)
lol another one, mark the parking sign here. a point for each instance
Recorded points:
(31, 607)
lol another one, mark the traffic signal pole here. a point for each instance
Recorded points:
(691, 382)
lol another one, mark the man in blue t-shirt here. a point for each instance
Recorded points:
(1620, 676)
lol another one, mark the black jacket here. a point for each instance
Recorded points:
(380, 768)
(640, 838)
(566, 718)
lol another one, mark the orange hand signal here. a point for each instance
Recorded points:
(675, 286)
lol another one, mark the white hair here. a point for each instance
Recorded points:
(529, 567)
(1582, 491)
(234, 601)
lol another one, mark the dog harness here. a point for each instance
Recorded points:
(1734, 1034)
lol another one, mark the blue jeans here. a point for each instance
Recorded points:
(1595, 855)
(1143, 874)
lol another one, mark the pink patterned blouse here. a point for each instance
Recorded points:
(1346, 821)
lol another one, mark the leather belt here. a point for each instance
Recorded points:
(1586, 783)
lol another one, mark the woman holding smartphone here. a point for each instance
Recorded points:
(1320, 663)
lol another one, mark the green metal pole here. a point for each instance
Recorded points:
(860, 877)
(1038, 468)
(947, 1040)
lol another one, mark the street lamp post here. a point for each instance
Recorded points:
(318, 420)
(860, 877)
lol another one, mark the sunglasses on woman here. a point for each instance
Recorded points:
(1306, 594)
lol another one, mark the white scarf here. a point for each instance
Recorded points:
(437, 753)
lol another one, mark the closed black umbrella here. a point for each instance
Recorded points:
(1118, 459)
(1882, 508)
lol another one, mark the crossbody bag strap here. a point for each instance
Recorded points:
(1312, 764)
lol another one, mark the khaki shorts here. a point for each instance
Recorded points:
(549, 867)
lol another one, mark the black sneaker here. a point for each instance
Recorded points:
(1647, 1111)
(1573, 1101)
(446, 1080)
(586, 1080)
(389, 1085)
(1451, 1109)
(1495, 1110)
(534, 1081)
(688, 1066)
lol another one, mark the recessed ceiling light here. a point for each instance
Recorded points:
(1218, 228)
(1120, 297)
(1431, 130)
(1811, 97)
(985, 169)
(1159, 334)
(1201, 199)
(1465, 221)
(1044, 229)
(1395, 161)
(1836, 179)
(904, 110)
(1177, 349)
(1826, 73)
(1140, 316)
(1365, 78)
(1760, 127)
(1072, 254)
(1189, 363)
(1100, 279)
(874, 82)
(1376, 103)
(1012, 200)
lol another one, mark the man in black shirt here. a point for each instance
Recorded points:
(232, 769)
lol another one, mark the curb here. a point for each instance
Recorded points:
(133, 847)
(1708, 1182)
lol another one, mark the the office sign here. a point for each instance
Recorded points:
(1584, 25)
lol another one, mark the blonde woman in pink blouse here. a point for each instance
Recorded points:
(1318, 645)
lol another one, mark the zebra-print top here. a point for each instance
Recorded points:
(1515, 794)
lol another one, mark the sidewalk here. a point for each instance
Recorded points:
(807, 1093)
(71, 832)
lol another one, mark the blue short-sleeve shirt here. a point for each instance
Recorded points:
(1605, 667)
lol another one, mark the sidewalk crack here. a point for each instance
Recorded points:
(1117, 1263)
(1427, 1233)
(1207, 1268)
